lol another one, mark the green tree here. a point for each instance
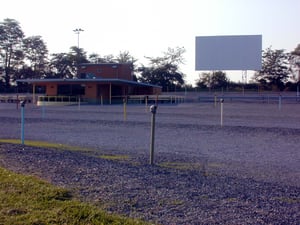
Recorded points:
(61, 66)
(96, 58)
(164, 71)
(215, 80)
(93, 58)
(36, 53)
(77, 56)
(125, 57)
(64, 65)
(275, 69)
(204, 80)
(295, 63)
(11, 53)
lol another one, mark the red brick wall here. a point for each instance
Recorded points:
(110, 70)
(51, 89)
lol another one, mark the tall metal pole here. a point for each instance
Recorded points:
(77, 31)
(153, 109)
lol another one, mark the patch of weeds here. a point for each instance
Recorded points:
(205, 168)
(187, 166)
(231, 199)
(289, 200)
(114, 157)
(181, 165)
(176, 202)
(170, 202)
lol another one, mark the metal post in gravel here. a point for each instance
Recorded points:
(124, 109)
(43, 109)
(279, 102)
(215, 99)
(79, 103)
(153, 111)
(146, 103)
(22, 121)
(17, 101)
(222, 101)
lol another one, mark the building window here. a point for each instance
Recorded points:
(70, 89)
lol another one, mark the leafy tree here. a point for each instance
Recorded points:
(77, 55)
(295, 63)
(64, 65)
(36, 53)
(125, 57)
(11, 39)
(204, 80)
(164, 71)
(96, 58)
(61, 66)
(213, 80)
(93, 58)
(275, 69)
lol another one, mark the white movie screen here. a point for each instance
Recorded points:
(239, 52)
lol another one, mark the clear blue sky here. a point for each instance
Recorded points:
(149, 27)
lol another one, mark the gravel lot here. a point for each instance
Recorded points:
(246, 172)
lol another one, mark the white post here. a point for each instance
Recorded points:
(222, 101)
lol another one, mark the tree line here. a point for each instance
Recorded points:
(28, 57)
(24, 57)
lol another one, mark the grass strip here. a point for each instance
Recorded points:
(90, 151)
(44, 144)
(29, 200)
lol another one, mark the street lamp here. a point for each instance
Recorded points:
(77, 31)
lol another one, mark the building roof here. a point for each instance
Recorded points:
(95, 80)
(103, 64)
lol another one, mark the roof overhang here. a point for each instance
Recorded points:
(83, 81)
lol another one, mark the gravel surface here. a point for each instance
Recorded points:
(246, 172)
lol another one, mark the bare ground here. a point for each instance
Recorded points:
(245, 172)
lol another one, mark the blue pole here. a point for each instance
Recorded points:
(22, 125)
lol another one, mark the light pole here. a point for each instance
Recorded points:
(77, 31)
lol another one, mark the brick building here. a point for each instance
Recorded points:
(107, 83)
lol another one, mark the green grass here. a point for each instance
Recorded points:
(43, 144)
(181, 165)
(115, 157)
(28, 200)
(90, 151)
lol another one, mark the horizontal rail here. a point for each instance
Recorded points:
(14, 99)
